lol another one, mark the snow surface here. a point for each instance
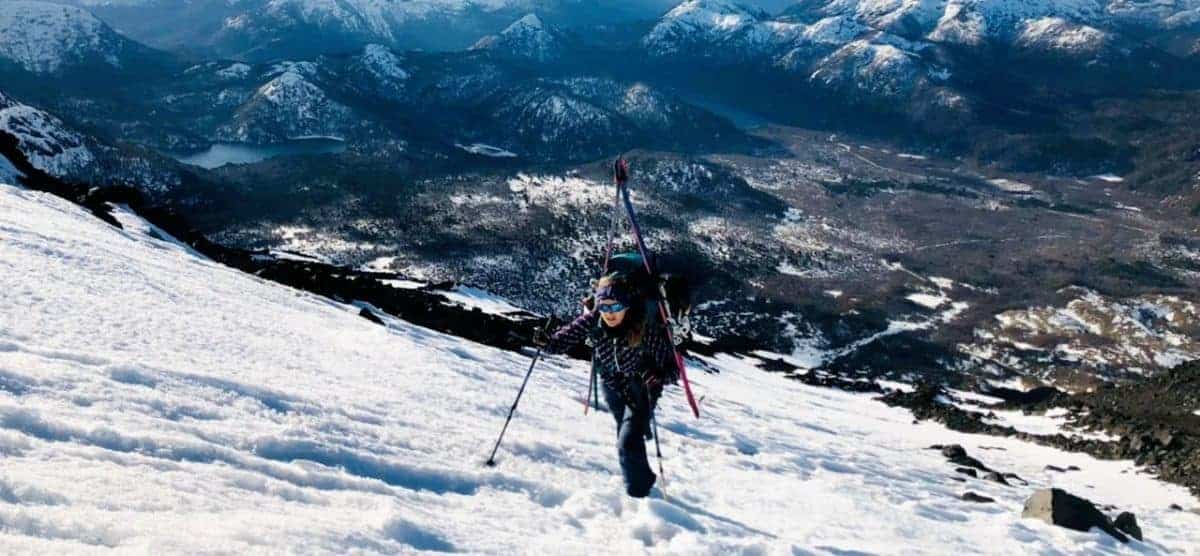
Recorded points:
(1011, 186)
(1054, 421)
(928, 300)
(483, 300)
(153, 401)
(485, 149)
(378, 264)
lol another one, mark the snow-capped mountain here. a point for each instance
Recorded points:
(189, 407)
(263, 30)
(719, 29)
(527, 38)
(582, 118)
(930, 61)
(289, 106)
(972, 22)
(45, 38)
(378, 71)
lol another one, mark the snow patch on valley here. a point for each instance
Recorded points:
(1011, 186)
(1110, 335)
(236, 70)
(485, 301)
(563, 195)
(483, 149)
(303, 243)
(927, 300)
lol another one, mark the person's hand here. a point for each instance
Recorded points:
(652, 379)
(541, 338)
(588, 303)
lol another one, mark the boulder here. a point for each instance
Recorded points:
(370, 315)
(995, 478)
(953, 451)
(1127, 523)
(958, 456)
(972, 497)
(1061, 508)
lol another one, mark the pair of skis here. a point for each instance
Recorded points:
(621, 177)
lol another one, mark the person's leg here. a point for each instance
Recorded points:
(616, 404)
(631, 446)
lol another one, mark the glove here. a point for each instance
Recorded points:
(541, 338)
(652, 378)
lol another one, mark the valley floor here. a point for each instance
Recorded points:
(151, 400)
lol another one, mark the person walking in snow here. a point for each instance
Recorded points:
(633, 359)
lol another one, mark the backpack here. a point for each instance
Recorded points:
(673, 288)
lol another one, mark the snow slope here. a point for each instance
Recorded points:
(154, 401)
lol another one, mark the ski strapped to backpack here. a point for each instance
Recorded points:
(621, 176)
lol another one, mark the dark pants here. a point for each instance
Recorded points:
(633, 426)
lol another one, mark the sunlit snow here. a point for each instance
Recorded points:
(153, 401)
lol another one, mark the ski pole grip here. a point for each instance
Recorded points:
(620, 171)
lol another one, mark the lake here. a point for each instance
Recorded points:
(220, 154)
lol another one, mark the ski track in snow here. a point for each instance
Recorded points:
(154, 401)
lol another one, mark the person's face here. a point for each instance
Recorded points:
(611, 317)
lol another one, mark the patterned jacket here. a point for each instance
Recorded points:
(617, 363)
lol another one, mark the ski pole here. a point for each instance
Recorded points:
(491, 461)
(657, 448)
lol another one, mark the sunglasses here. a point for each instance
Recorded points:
(612, 308)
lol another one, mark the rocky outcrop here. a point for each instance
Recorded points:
(1127, 523)
(1154, 421)
(1061, 508)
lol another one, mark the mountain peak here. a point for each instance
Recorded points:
(528, 38)
(530, 21)
(44, 38)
